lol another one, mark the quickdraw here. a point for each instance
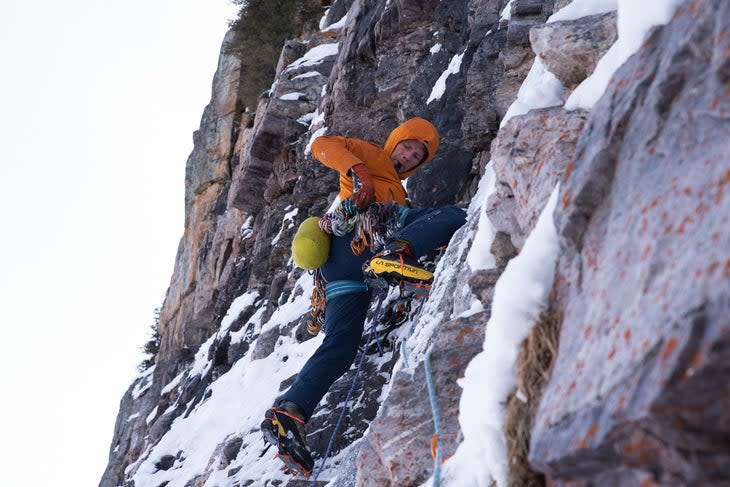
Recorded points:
(318, 301)
(360, 241)
(373, 227)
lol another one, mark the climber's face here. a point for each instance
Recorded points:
(408, 154)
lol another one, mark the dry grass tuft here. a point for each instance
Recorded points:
(533, 371)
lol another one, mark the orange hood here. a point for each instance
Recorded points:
(417, 129)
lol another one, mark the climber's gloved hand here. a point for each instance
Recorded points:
(363, 194)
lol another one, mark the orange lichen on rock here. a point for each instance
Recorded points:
(669, 349)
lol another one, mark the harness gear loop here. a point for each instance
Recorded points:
(318, 300)
(360, 241)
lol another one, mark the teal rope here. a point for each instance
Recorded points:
(436, 419)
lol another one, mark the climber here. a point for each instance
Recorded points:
(368, 175)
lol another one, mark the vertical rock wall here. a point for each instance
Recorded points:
(638, 390)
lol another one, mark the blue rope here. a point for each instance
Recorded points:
(436, 419)
(376, 318)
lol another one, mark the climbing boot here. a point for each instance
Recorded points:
(283, 426)
(397, 246)
(396, 264)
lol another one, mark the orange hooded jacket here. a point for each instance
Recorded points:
(341, 153)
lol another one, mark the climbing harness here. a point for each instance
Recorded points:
(435, 443)
(371, 336)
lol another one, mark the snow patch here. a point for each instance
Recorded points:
(520, 296)
(439, 88)
(286, 223)
(151, 416)
(247, 228)
(479, 256)
(308, 74)
(143, 383)
(307, 118)
(507, 11)
(582, 8)
(295, 96)
(172, 384)
(320, 131)
(336, 26)
(540, 89)
(634, 22)
(314, 56)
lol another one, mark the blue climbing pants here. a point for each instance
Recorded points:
(345, 315)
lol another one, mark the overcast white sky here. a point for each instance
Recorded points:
(98, 103)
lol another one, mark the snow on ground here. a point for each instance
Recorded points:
(507, 11)
(247, 228)
(293, 96)
(582, 8)
(307, 118)
(308, 74)
(144, 382)
(540, 89)
(474, 238)
(320, 131)
(201, 364)
(479, 256)
(332, 27)
(287, 222)
(234, 406)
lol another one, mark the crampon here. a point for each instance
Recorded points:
(280, 428)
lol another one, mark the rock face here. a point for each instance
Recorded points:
(643, 277)
(637, 394)
(207, 175)
(529, 157)
(571, 49)
(404, 459)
